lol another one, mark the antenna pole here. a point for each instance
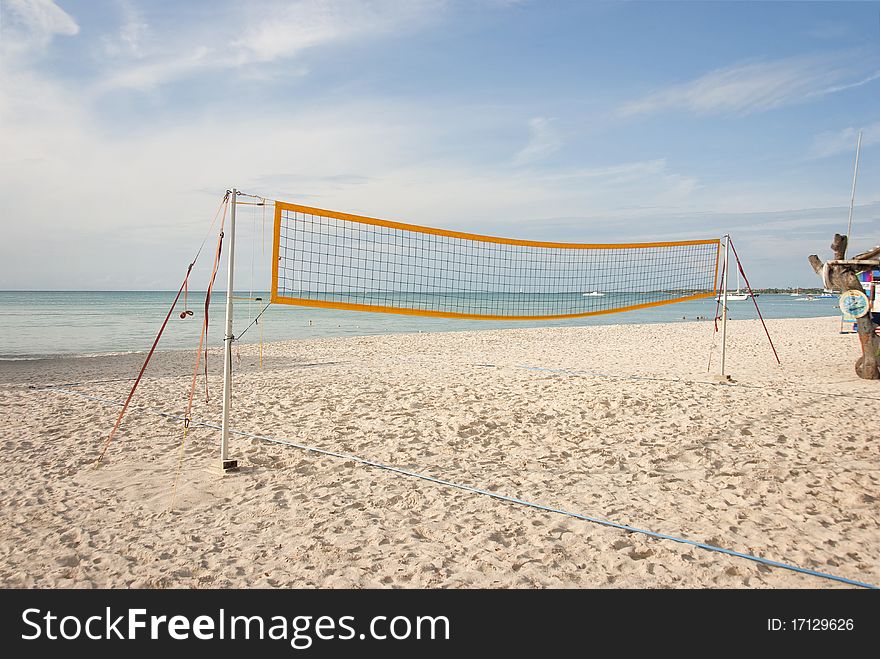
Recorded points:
(226, 464)
(852, 197)
(724, 375)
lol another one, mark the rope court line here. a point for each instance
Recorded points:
(493, 495)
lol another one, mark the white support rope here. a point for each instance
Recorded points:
(496, 495)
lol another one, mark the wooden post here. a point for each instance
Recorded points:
(844, 275)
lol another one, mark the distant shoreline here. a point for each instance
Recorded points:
(45, 324)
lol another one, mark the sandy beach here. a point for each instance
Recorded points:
(617, 422)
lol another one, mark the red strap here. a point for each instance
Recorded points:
(718, 298)
(144, 367)
(203, 336)
(746, 280)
(184, 288)
(208, 302)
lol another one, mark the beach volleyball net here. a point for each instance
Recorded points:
(336, 260)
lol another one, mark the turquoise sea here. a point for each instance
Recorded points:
(39, 324)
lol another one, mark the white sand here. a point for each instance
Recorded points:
(784, 464)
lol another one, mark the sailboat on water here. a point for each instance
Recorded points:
(737, 296)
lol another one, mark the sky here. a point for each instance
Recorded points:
(122, 123)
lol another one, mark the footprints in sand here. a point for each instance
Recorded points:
(737, 466)
(408, 501)
(636, 550)
(68, 560)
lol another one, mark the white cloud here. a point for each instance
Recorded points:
(99, 211)
(30, 25)
(99, 206)
(125, 209)
(158, 70)
(286, 29)
(756, 87)
(641, 183)
(134, 32)
(619, 173)
(849, 85)
(260, 33)
(842, 141)
(543, 141)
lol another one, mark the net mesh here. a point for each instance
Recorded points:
(329, 259)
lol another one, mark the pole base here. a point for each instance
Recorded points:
(724, 379)
(224, 468)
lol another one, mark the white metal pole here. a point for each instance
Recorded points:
(724, 306)
(225, 463)
(852, 197)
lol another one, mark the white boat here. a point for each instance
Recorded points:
(594, 294)
(738, 296)
(734, 297)
(797, 293)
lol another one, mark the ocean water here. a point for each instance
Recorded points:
(39, 324)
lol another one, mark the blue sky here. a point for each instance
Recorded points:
(125, 120)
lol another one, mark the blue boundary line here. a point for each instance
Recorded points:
(494, 495)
